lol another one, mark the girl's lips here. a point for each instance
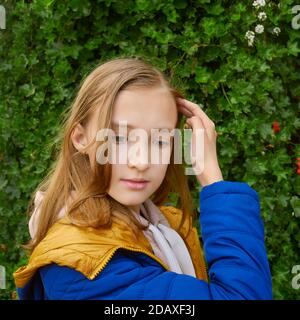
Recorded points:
(135, 184)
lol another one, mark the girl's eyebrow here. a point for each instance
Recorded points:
(115, 124)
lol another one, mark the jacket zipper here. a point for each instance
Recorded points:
(103, 264)
(204, 269)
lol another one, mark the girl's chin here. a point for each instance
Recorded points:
(130, 197)
(131, 200)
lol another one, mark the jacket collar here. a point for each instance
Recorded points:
(88, 250)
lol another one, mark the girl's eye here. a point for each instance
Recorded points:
(123, 139)
(119, 139)
(162, 143)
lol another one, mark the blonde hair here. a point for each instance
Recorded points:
(72, 170)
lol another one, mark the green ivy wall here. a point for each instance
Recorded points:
(250, 90)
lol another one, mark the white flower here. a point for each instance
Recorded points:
(262, 16)
(250, 36)
(259, 3)
(250, 42)
(259, 28)
(276, 31)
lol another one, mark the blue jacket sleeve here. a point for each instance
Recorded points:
(233, 242)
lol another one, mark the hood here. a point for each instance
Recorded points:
(33, 221)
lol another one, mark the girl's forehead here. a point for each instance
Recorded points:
(124, 124)
(149, 108)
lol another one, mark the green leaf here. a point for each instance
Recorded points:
(202, 75)
(295, 202)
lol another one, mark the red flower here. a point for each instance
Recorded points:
(276, 127)
(298, 165)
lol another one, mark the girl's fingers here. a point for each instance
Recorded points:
(185, 111)
(195, 122)
(195, 110)
(197, 155)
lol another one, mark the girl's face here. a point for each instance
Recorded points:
(143, 109)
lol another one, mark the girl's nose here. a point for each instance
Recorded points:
(138, 157)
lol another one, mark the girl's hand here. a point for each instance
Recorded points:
(197, 119)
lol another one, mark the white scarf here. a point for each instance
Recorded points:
(166, 243)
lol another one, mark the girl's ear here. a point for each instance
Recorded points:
(79, 138)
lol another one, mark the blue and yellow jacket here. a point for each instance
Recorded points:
(86, 263)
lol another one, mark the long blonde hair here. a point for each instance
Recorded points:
(72, 170)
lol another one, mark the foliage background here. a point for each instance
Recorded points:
(49, 46)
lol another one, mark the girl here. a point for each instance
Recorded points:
(104, 230)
